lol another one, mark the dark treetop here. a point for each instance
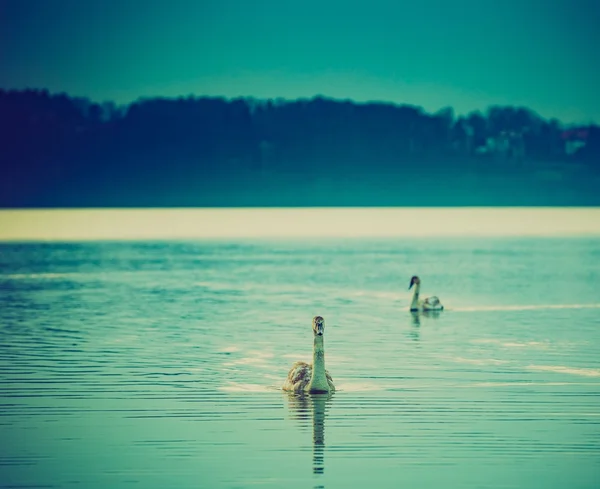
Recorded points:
(58, 151)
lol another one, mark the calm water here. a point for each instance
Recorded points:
(158, 364)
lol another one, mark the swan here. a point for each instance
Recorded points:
(313, 379)
(428, 304)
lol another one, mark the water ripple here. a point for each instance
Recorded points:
(161, 365)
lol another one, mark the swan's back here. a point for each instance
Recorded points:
(299, 377)
(432, 303)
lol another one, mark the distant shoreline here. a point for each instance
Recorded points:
(60, 151)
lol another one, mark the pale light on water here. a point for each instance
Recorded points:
(159, 363)
(88, 224)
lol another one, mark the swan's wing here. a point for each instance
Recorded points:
(299, 371)
(328, 375)
(432, 301)
(298, 376)
(329, 380)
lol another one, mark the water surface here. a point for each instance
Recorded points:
(159, 364)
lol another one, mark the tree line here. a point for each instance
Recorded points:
(53, 145)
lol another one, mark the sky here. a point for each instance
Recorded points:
(467, 54)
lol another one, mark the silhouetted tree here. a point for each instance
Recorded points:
(54, 145)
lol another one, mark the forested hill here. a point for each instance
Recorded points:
(60, 151)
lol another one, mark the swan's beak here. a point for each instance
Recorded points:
(410, 286)
(319, 329)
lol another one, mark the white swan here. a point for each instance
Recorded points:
(428, 304)
(314, 379)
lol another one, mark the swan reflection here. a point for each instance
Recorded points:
(415, 333)
(416, 316)
(315, 406)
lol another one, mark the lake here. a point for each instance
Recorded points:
(159, 363)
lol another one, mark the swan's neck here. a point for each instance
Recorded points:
(318, 382)
(414, 305)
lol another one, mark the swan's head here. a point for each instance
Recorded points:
(318, 326)
(414, 280)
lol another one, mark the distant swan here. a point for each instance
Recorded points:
(313, 379)
(428, 304)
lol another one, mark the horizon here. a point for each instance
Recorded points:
(432, 56)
